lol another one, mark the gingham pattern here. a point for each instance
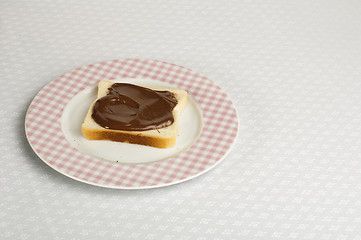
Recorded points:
(43, 126)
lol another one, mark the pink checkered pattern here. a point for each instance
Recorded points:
(43, 126)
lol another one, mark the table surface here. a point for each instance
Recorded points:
(292, 69)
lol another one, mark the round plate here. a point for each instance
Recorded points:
(210, 115)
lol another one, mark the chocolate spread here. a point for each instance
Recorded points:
(134, 108)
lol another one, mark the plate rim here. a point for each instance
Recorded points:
(158, 185)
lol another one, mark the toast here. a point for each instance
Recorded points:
(160, 137)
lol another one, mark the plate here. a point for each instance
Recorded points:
(208, 127)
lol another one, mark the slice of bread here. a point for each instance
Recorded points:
(161, 138)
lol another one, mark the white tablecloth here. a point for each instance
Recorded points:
(292, 69)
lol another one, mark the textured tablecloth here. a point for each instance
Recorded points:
(293, 71)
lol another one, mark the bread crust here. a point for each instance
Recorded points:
(128, 137)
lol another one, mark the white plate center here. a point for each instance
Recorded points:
(190, 126)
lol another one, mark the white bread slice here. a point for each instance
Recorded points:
(161, 138)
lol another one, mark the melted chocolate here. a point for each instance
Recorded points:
(134, 108)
